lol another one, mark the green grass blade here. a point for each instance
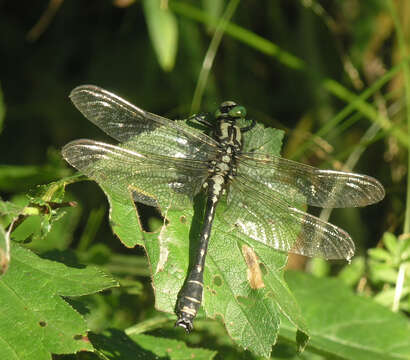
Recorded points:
(210, 55)
(406, 72)
(163, 31)
(358, 102)
(248, 37)
(267, 47)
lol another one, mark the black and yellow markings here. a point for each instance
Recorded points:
(221, 171)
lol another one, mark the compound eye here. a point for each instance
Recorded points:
(237, 111)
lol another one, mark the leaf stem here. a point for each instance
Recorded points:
(147, 325)
(399, 287)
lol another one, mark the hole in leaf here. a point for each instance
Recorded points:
(217, 281)
(78, 337)
(150, 217)
(182, 219)
(42, 323)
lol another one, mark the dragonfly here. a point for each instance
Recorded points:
(165, 163)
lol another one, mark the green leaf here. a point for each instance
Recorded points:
(30, 296)
(405, 247)
(386, 296)
(390, 241)
(10, 209)
(52, 192)
(163, 31)
(124, 220)
(383, 272)
(56, 233)
(380, 254)
(47, 221)
(263, 140)
(116, 345)
(175, 350)
(319, 267)
(352, 273)
(251, 316)
(344, 325)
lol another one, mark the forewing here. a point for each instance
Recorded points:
(271, 221)
(124, 121)
(153, 180)
(304, 184)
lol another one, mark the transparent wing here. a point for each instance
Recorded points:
(124, 121)
(304, 184)
(154, 180)
(271, 221)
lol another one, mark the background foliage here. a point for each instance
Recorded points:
(333, 74)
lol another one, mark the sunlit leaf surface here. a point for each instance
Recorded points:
(31, 301)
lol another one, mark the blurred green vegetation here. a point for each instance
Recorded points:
(333, 74)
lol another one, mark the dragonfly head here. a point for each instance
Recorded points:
(230, 109)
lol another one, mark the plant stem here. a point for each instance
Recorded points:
(399, 287)
(406, 72)
(210, 55)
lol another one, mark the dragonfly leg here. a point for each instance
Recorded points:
(249, 127)
(203, 119)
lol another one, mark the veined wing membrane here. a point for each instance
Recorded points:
(154, 180)
(124, 121)
(271, 221)
(304, 184)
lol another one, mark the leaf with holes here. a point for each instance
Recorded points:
(251, 315)
(35, 321)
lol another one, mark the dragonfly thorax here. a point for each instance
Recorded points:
(223, 167)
